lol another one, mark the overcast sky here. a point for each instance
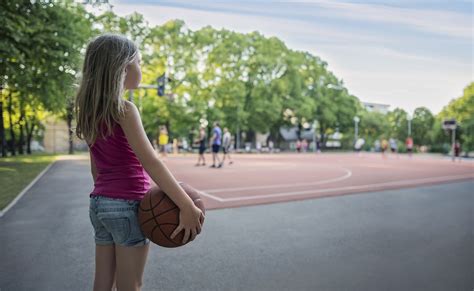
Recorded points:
(405, 53)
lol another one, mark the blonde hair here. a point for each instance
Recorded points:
(99, 99)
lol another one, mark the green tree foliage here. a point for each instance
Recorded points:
(398, 123)
(422, 123)
(462, 109)
(247, 81)
(40, 57)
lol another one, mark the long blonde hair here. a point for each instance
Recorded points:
(99, 99)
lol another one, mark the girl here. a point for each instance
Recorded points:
(122, 162)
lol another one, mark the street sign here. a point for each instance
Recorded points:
(449, 124)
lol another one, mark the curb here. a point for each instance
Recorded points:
(18, 197)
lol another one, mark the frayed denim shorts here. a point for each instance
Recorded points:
(115, 221)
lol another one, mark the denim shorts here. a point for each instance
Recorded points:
(115, 221)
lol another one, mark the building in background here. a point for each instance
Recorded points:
(376, 107)
(56, 138)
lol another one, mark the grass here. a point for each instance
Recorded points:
(17, 172)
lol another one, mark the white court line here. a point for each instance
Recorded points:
(202, 193)
(2, 213)
(346, 176)
(367, 186)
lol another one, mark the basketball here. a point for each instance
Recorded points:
(159, 216)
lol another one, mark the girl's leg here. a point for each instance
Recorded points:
(130, 266)
(104, 267)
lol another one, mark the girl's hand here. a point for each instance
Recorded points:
(190, 221)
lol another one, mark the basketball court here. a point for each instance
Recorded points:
(261, 179)
(381, 240)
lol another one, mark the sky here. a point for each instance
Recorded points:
(405, 53)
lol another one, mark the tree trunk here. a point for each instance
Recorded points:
(21, 142)
(323, 136)
(29, 133)
(69, 126)
(3, 140)
(12, 133)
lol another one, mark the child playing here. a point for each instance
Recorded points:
(122, 162)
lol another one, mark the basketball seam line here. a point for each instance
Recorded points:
(169, 239)
(153, 216)
(143, 209)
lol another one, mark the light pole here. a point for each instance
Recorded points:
(356, 132)
(409, 118)
(451, 124)
(315, 123)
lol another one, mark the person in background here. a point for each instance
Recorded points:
(318, 146)
(358, 145)
(393, 145)
(457, 150)
(377, 145)
(304, 145)
(270, 146)
(163, 140)
(216, 141)
(226, 143)
(298, 146)
(409, 145)
(202, 146)
(384, 145)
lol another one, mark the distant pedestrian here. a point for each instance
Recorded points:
(163, 140)
(304, 145)
(216, 141)
(318, 146)
(202, 146)
(409, 145)
(359, 144)
(298, 146)
(393, 145)
(226, 143)
(384, 146)
(270, 146)
(377, 145)
(457, 150)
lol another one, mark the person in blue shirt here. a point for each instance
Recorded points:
(216, 141)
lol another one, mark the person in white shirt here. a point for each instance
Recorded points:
(226, 143)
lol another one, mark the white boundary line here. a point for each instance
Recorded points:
(346, 176)
(367, 186)
(11, 204)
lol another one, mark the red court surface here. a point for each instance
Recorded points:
(266, 178)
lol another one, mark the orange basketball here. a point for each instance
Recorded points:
(159, 216)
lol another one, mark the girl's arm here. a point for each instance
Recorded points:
(136, 136)
(93, 168)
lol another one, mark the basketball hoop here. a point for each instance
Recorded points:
(449, 124)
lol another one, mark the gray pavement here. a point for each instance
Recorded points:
(410, 239)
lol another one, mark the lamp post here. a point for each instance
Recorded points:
(409, 118)
(315, 124)
(356, 131)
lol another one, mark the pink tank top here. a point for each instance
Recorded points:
(119, 172)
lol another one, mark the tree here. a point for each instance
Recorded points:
(398, 123)
(46, 41)
(462, 109)
(421, 125)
